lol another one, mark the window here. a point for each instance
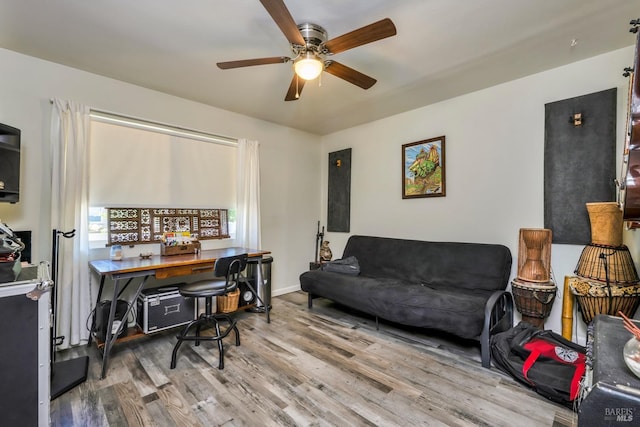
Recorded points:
(134, 167)
(97, 225)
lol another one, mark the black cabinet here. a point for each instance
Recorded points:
(611, 392)
(24, 356)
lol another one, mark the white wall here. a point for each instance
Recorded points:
(494, 160)
(289, 158)
(494, 164)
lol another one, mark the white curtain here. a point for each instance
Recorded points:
(248, 195)
(69, 210)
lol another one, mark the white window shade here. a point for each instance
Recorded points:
(134, 167)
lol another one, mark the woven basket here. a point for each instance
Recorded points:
(592, 306)
(228, 303)
(533, 299)
(596, 298)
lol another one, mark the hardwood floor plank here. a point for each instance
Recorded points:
(132, 404)
(159, 414)
(61, 412)
(324, 404)
(202, 393)
(111, 407)
(139, 376)
(152, 369)
(177, 407)
(327, 366)
(89, 411)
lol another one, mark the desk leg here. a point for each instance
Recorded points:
(110, 338)
(261, 279)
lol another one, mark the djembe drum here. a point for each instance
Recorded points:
(533, 291)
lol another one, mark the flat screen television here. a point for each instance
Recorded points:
(9, 164)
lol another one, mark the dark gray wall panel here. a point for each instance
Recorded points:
(579, 163)
(339, 203)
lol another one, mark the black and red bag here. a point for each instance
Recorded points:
(541, 359)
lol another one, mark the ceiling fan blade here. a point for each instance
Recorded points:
(251, 62)
(349, 74)
(280, 14)
(370, 33)
(295, 89)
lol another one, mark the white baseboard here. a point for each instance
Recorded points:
(282, 291)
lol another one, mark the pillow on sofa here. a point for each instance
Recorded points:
(348, 265)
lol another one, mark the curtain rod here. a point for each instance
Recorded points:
(138, 123)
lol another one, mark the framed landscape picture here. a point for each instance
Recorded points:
(423, 168)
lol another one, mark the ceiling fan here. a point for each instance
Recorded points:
(311, 49)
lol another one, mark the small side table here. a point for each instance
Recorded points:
(314, 265)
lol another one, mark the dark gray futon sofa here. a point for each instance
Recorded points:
(453, 287)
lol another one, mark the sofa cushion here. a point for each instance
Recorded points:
(345, 289)
(412, 304)
(460, 312)
(443, 264)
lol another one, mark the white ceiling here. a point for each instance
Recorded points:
(443, 48)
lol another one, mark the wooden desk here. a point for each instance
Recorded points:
(161, 267)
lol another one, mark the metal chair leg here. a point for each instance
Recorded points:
(175, 353)
(220, 347)
(235, 328)
(233, 325)
(198, 333)
(180, 337)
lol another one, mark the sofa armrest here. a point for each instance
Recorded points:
(498, 317)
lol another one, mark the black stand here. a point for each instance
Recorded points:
(317, 263)
(319, 238)
(65, 374)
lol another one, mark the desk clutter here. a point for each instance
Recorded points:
(179, 243)
(11, 248)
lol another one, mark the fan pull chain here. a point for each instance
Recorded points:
(297, 92)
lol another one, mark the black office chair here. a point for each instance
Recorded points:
(229, 268)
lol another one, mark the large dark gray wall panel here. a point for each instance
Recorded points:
(579, 163)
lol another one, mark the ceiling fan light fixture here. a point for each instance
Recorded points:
(308, 66)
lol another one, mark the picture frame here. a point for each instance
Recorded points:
(423, 168)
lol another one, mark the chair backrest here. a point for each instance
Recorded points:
(230, 268)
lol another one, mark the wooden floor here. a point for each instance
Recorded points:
(321, 367)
